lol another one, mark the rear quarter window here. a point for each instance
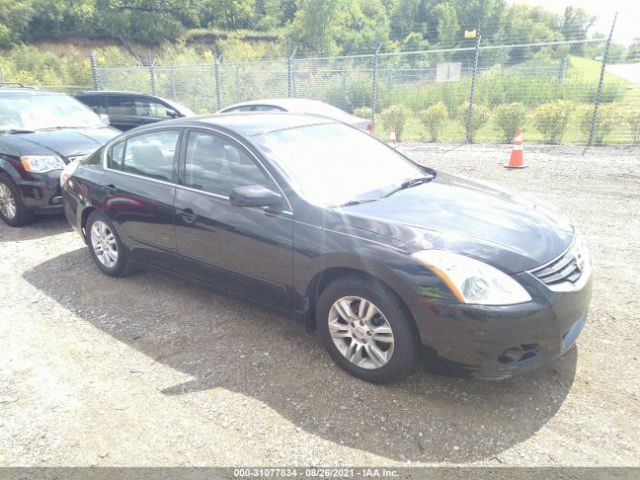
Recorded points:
(94, 158)
(115, 156)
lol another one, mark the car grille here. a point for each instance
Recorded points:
(566, 268)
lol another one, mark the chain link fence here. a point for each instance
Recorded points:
(558, 92)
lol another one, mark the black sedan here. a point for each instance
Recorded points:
(331, 227)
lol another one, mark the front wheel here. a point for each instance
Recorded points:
(106, 246)
(366, 330)
(12, 209)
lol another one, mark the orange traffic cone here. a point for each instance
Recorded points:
(517, 155)
(392, 139)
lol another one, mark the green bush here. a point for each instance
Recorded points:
(481, 116)
(632, 117)
(354, 93)
(552, 119)
(363, 112)
(395, 118)
(605, 122)
(435, 118)
(508, 118)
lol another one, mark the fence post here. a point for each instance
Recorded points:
(291, 72)
(469, 130)
(152, 78)
(374, 84)
(94, 71)
(605, 56)
(237, 82)
(344, 84)
(174, 87)
(562, 70)
(216, 71)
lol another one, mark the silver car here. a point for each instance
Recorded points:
(300, 105)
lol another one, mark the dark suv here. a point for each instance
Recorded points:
(41, 132)
(128, 110)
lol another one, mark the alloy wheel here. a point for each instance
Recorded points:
(7, 202)
(360, 332)
(104, 244)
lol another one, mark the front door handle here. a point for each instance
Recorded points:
(187, 215)
(110, 189)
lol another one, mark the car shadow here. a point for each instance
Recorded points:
(42, 226)
(224, 342)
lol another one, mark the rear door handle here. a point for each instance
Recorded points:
(187, 215)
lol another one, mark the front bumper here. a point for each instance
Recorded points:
(495, 342)
(42, 194)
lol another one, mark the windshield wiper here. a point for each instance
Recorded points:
(63, 127)
(356, 202)
(412, 182)
(17, 130)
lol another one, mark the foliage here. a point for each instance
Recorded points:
(318, 26)
(481, 114)
(508, 118)
(435, 118)
(363, 112)
(348, 95)
(552, 119)
(395, 118)
(632, 117)
(605, 121)
(14, 20)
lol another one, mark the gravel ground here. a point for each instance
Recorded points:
(153, 370)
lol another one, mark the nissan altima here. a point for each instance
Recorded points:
(320, 221)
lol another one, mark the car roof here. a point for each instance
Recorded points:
(252, 123)
(301, 105)
(295, 103)
(111, 92)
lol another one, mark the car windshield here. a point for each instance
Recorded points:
(42, 111)
(333, 164)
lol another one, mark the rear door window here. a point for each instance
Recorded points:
(149, 155)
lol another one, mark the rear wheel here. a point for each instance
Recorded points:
(106, 246)
(12, 209)
(366, 330)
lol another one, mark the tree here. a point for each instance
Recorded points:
(14, 20)
(633, 52)
(317, 24)
(228, 14)
(576, 23)
(443, 25)
(365, 26)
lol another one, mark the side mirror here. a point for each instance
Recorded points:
(172, 114)
(105, 118)
(254, 196)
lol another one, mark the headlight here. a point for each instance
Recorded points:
(42, 163)
(472, 281)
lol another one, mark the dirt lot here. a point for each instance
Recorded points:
(151, 370)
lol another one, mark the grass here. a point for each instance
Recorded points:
(454, 132)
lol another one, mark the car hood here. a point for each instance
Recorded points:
(66, 143)
(504, 229)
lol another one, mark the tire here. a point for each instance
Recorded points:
(12, 209)
(389, 330)
(103, 239)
